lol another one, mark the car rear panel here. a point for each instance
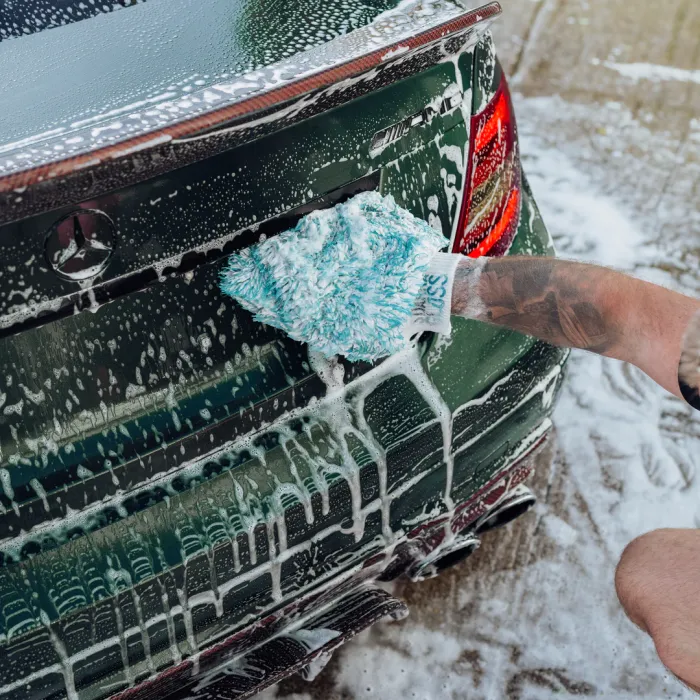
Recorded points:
(114, 383)
(172, 471)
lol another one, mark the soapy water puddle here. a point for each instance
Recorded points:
(533, 614)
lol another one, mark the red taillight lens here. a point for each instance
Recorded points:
(492, 197)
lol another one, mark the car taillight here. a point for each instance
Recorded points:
(492, 197)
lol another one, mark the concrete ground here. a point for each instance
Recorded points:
(608, 100)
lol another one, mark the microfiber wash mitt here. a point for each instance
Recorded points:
(357, 280)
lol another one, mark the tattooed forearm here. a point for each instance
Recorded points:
(542, 297)
(584, 306)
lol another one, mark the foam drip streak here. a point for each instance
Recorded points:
(145, 638)
(64, 659)
(341, 421)
(379, 456)
(187, 619)
(415, 372)
(123, 650)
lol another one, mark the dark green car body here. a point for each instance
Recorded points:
(182, 487)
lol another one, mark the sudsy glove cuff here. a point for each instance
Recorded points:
(434, 303)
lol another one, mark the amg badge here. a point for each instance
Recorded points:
(396, 131)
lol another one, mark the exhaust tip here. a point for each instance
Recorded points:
(445, 557)
(517, 503)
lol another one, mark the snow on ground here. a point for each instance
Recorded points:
(650, 71)
(533, 615)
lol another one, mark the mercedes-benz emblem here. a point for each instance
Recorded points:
(80, 244)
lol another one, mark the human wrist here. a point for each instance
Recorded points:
(466, 301)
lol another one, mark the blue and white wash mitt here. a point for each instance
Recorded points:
(357, 280)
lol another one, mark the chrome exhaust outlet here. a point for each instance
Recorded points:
(444, 556)
(518, 502)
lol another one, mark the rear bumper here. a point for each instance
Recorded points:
(486, 468)
(494, 435)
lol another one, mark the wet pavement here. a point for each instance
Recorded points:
(608, 100)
